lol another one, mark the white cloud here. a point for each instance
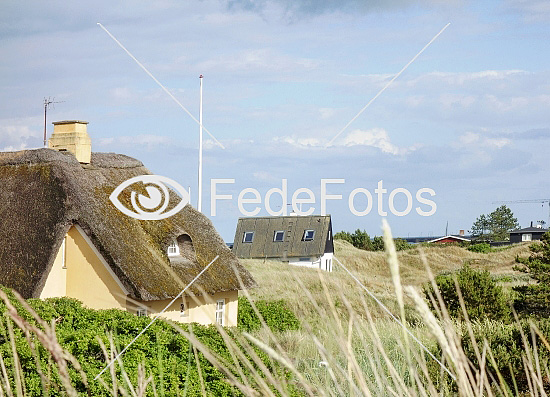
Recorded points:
(375, 137)
(260, 60)
(264, 176)
(477, 140)
(21, 133)
(298, 9)
(530, 10)
(469, 138)
(460, 78)
(148, 140)
(209, 143)
(498, 142)
(326, 113)
(498, 98)
(301, 142)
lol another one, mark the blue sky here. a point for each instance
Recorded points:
(470, 118)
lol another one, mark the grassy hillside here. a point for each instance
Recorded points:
(325, 336)
(279, 280)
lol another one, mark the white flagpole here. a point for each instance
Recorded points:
(199, 203)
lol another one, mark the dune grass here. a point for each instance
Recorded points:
(278, 280)
(346, 344)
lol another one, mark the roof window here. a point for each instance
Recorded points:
(308, 235)
(278, 236)
(248, 237)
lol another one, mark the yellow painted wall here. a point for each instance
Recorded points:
(56, 282)
(202, 312)
(87, 279)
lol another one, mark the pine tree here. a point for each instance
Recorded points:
(496, 225)
(535, 298)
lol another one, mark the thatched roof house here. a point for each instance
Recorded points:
(45, 192)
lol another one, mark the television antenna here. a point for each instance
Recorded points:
(47, 102)
(542, 201)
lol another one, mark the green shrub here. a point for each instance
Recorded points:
(360, 239)
(275, 313)
(483, 298)
(401, 244)
(534, 298)
(507, 346)
(483, 248)
(378, 243)
(165, 352)
(343, 235)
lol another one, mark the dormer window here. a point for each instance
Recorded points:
(173, 249)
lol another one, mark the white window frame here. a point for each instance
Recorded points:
(141, 312)
(63, 254)
(244, 237)
(220, 312)
(275, 236)
(304, 237)
(173, 248)
(527, 237)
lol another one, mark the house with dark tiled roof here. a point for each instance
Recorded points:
(298, 240)
(60, 235)
(531, 233)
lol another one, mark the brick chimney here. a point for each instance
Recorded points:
(72, 136)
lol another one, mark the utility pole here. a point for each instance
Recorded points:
(199, 203)
(47, 102)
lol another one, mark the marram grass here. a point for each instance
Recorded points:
(345, 346)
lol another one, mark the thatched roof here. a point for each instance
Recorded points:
(43, 192)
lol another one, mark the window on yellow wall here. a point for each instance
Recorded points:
(184, 311)
(220, 311)
(141, 312)
(63, 255)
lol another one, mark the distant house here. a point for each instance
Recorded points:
(61, 236)
(298, 240)
(527, 234)
(451, 238)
